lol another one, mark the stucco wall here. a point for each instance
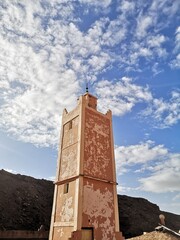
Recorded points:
(65, 204)
(64, 215)
(21, 234)
(86, 162)
(70, 135)
(98, 208)
(62, 233)
(97, 152)
(68, 166)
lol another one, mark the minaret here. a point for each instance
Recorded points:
(85, 198)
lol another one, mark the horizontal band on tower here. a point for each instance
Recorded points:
(85, 176)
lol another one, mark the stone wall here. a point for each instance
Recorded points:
(17, 234)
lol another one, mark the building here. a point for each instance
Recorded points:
(85, 199)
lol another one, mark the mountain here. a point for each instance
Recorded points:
(138, 215)
(26, 203)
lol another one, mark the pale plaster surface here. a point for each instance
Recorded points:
(62, 233)
(69, 162)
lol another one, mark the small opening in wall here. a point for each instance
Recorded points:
(87, 233)
(66, 188)
(70, 124)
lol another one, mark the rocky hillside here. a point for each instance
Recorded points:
(138, 215)
(26, 202)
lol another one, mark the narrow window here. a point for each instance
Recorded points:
(66, 188)
(70, 125)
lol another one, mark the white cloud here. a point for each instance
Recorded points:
(164, 113)
(44, 51)
(177, 197)
(156, 41)
(52, 178)
(126, 6)
(177, 39)
(157, 4)
(10, 170)
(123, 189)
(156, 69)
(115, 32)
(175, 63)
(97, 63)
(4, 84)
(141, 52)
(143, 23)
(165, 176)
(95, 6)
(163, 166)
(121, 96)
(148, 49)
(170, 8)
(166, 181)
(96, 3)
(30, 105)
(138, 154)
(164, 8)
(38, 60)
(108, 33)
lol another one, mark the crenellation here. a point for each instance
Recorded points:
(68, 116)
(65, 112)
(109, 114)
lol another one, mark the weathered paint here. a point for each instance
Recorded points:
(66, 214)
(69, 162)
(62, 233)
(86, 163)
(69, 159)
(70, 135)
(98, 208)
(65, 204)
(97, 152)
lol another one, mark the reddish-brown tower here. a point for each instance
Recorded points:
(85, 199)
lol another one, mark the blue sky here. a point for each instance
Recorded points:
(128, 52)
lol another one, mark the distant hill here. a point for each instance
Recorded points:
(138, 215)
(26, 203)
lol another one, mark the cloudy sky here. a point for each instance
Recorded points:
(128, 52)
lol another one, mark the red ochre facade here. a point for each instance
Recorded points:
(85, 198)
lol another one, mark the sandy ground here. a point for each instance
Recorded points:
(156, 236)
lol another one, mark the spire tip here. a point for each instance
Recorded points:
(87, 89)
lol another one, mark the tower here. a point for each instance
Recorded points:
(85, 199)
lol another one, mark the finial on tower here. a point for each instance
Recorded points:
(87, 89)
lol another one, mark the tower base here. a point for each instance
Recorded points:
(78, 235)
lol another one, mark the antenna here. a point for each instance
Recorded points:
(87, 90)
